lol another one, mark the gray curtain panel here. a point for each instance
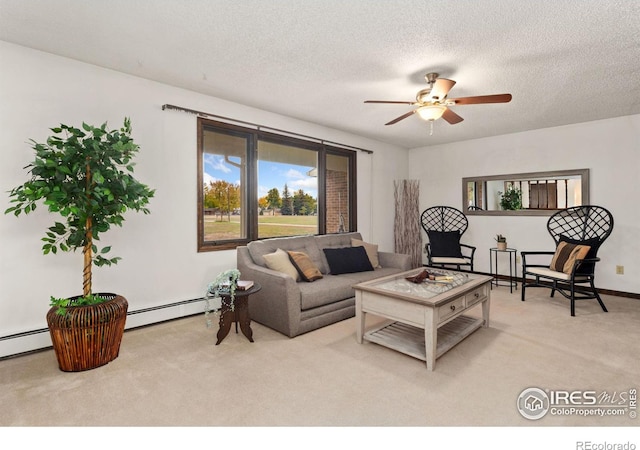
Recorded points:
(406, 228)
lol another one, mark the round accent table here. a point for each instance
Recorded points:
(239, 313)
(513, 270)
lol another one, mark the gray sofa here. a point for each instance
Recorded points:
(293, 308)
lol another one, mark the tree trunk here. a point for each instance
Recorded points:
(88, 244)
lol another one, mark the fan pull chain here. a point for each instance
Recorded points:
(431, 130)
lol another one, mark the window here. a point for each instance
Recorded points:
(255, 185)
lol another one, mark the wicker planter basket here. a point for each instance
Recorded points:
(86, 337)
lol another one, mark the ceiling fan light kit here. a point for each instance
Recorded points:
(431, 112)
(432, 103)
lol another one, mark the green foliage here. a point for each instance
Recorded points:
(501, 238)
(64, 303)
(511, 199)
(273, 199)
(287, 202)
(225, 283)
(222, 196)
(303, 204)
(84, 175)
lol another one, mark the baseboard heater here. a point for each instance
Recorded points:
(26, 342)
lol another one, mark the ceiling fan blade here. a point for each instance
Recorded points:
(497, 98)
(441, 88)
(392, 102)
(398, 119)
(451, 117)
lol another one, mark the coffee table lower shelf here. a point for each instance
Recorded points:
(409, 340)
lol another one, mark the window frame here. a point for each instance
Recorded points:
(254, 136)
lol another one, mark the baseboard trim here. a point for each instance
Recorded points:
(600, 290)
(31, 341)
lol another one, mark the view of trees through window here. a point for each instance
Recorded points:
(254, 186)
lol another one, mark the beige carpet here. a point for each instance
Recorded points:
(172, 374)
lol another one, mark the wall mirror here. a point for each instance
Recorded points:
(525, 194)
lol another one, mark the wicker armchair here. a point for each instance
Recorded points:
(445, 226)
(578, 233)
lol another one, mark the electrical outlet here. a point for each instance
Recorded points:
(619, 270)
(518, 260)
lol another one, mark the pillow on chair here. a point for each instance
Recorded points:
(566, 255)
(594, 243)
(445, 243)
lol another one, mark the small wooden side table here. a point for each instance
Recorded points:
(238, 314)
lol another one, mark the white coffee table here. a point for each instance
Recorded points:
(426, 319)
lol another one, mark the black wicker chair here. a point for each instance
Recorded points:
(580, 225)
(445, 226)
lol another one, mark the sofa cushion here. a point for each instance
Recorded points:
(305, 244)
(329, 289)
(347, 260)
(306, 268)
(371, 249)
(279, 260)
(361, 277)
(566, 256)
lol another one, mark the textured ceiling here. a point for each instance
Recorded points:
(564, 61)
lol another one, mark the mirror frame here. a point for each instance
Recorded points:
(584, 178)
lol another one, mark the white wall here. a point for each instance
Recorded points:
(609, 148)
(160, 263)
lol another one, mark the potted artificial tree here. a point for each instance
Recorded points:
(86, 176)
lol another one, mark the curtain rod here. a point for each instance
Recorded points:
(262, 127)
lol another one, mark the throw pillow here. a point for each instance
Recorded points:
(347, 260)
(594, 243)
(306, 268)
(566, 255)
(371, 249)
(279, 260)
(445, 243)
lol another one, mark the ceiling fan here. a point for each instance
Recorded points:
(432, 103)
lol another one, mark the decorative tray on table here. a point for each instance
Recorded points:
(431, 277)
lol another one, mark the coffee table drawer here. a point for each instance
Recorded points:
(449, 309)
(475, 296)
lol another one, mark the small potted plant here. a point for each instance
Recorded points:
(84, 175)
(502, 242)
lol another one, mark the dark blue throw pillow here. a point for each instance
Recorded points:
(445, 244)
(347, 260)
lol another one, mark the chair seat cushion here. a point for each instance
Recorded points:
(445, 243)
(446, 260)
(548, 273)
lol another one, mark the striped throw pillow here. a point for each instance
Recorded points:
(566, 255)
(306, 268)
